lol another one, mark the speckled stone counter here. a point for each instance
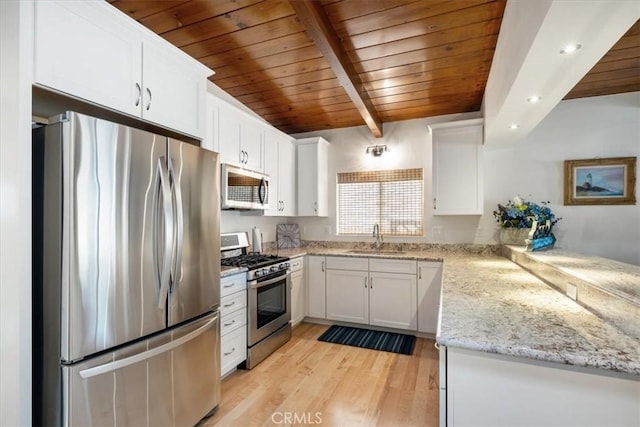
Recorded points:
(491, 304)
(230, 271)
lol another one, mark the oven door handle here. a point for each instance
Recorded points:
(257, 284)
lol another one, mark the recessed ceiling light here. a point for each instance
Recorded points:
(535, 98)
(570, 48)
(514, 126)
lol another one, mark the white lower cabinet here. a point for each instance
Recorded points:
(233, 322)
(234, 350)
(348, 296)
(297, 290)
(316, 286)
(392, 300)
(429, 285)
(374, 291)
(484, 389)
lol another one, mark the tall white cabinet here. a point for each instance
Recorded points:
(315, 271)
(457, 167)
(313, 178)
(279, 164)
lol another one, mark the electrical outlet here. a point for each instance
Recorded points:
(437, 231)
(572, 291)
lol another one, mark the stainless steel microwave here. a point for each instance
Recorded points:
(243, 189)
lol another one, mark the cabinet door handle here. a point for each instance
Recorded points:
(229, 324)
(149, 103)
(315, 206)
(419, 272)
(139, 94)
(246, 159)
(230, 305)
(323, 266)
(434, 203)
(229, 285)
(231, 352)
(365, 283)
(371, 283)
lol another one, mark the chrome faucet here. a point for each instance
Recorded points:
(378, 236)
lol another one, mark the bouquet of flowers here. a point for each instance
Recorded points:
(520, 213)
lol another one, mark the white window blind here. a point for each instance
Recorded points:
(392, 198)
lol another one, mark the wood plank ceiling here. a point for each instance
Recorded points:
(400, 59)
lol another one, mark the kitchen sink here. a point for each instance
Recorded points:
(374, 252)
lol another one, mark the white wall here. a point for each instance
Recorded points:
(233, 221)
(15, 212)
(409, 146)
(607, 126)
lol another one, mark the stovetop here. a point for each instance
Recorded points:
(253, 260)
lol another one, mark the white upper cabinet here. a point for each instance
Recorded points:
(211, 141)
(457, 167)
(240, 138)
(83, 50)
(92, 51)
(174, 91)
(286, 176)
(279, 165)
(313, 178)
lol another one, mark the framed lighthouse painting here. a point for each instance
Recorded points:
(610, 181)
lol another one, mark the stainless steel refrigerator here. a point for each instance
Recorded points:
(126, 276)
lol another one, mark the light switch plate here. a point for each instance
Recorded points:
(572, 291)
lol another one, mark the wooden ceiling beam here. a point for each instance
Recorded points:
(319, 29)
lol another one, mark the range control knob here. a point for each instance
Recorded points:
(259, 273)
(273, 268)
(284, 266)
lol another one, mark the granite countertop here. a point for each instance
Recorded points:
(230, 271)
(491, 304)
(618, 278)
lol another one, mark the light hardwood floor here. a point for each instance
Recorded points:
(308, 382)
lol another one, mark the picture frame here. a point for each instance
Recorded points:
(609, 181)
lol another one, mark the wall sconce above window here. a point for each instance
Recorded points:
(376, 150)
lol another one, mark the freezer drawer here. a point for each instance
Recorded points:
(171, 379)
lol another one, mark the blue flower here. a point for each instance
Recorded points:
(520, 213)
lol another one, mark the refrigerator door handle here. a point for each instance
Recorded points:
(177, 268)
(119, 364)
(167, 210)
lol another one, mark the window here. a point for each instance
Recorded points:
(393, 199)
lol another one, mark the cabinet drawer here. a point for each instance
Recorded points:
(233, 302)
(231, 284)
(232, 321)
(347, 263)
(296, 264)
(388, 265)
(233, 350)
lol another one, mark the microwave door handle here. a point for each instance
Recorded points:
(167, 243)
(261, 189)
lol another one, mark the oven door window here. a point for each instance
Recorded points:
(272, 302)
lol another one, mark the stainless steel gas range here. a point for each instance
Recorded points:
(268, 298)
